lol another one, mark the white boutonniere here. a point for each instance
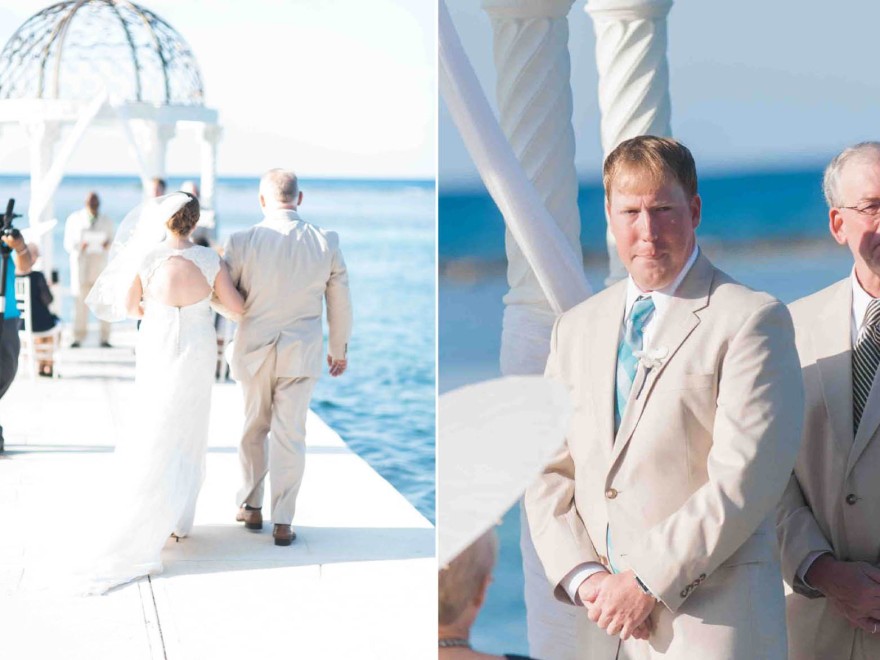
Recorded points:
(652, 357)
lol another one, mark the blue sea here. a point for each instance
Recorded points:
(767, 229)
(384, 405)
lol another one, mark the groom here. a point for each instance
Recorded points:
(284, 268)
(657, 516)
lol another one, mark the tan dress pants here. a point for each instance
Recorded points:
(274, 440)
(81, 315)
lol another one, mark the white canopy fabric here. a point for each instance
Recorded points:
(496, 437)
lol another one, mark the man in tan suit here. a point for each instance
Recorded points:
(829, 527)
(657, 515)
(285, 268)
(87, 237)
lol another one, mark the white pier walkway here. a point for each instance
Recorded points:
(359, 582)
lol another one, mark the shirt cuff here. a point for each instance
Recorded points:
(576, 576)
(805, 566)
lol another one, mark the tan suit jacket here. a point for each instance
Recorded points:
(85, 267)
(285, 268)
(833, 499)
(690, 483)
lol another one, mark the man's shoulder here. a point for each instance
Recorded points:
(804, 310)
(736, 298)
(76, 215)
(586, 311)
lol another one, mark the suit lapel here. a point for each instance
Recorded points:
(674, 328)
(870, 418)
(602, 352)
(832, 344)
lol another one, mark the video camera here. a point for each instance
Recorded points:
(7, 229)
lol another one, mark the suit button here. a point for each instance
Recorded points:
(611, 493)
(684, 593)
(851, 499)
(603, 560)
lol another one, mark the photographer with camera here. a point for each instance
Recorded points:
(14, 255)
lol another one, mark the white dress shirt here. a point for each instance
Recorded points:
(860, 301)
(661, 297)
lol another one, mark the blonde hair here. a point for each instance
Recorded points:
(655, 158)
(462, 579)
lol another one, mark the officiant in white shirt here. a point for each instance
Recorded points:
(87, 237)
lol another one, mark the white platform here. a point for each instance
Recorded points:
(359, 581)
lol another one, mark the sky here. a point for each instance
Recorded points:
(331, 88)
(754, 84)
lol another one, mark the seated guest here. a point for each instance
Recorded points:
(462, 590)
(43, 319)
(828, 527)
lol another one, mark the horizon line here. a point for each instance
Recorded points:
(241, 177)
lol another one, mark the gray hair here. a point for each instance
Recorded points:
(831, 180)
(461, 580)
(279, 186)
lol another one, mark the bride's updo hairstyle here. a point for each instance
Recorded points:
(184, 221)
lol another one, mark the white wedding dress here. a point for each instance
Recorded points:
(159, 465)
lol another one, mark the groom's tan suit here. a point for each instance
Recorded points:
(833, 500)
(687, 488)
(285, 268)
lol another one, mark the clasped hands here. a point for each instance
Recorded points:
(853, 588)
(617, 604)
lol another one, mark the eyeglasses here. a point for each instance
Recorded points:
(868, 209)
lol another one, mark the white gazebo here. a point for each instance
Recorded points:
(78, 63)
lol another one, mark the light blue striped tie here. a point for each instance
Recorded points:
(627, 363)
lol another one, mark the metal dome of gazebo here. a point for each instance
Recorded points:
(83, 62)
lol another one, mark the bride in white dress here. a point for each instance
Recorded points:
(159, 465)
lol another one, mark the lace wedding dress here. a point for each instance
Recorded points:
(158, 467)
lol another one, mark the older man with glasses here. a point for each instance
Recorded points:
(828, 525)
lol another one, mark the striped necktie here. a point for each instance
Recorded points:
(865, 358)
(627, 362)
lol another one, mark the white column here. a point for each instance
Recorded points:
(151, 142)
(530, 44)
(43, 137)
(633, 77)
(210, 138)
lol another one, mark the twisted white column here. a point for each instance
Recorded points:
(633, 77)
(210, 135)
(530, 45)
(557, 267)
(150, 141)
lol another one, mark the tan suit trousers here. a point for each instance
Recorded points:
(81, 315)
(274, 439)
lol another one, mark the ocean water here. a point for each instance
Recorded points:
(769, 231)
(383, 406)
(737, 209)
